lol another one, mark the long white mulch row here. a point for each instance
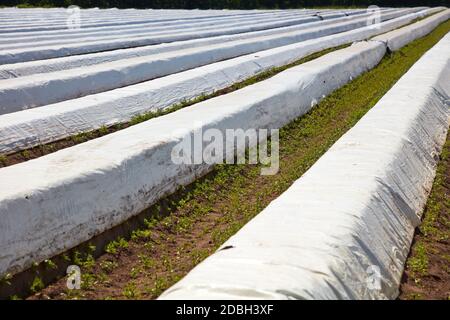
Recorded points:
(45, 124)
(29, 128)
(41, 89)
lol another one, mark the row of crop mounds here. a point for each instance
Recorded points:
(71, 195)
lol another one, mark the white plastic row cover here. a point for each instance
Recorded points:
(142, 30)
(344, 229)
(29, 26)
(55, 50)
(42, 125)
(153, 19)
(69, 196)
(76, 193)
(41, 89)
(16, 40)
(64, 63)
(20, 22)
(399, 38)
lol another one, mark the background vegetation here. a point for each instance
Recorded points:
(220, 4)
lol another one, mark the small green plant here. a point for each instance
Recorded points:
(108, 265)
(415, 296)
(91, 248)
(103, 130)
(198, 255)
(114, 246)
(151, 222)
(26, 154)
(80, 137)
(37, 284)
(50, 264)
(146, 261)
(130, 291)
(418, 263)
(88, 280)
(141, 234)
(85, 261)
(77, 258)
(6, 279)
(134, 272)
(160, 284)
(89, 262)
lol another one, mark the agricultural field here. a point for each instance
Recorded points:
(224, 154)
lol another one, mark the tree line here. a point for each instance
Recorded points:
(221, 4)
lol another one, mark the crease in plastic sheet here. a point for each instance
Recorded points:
(353, 212)
(76, 193)
(45, 124)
